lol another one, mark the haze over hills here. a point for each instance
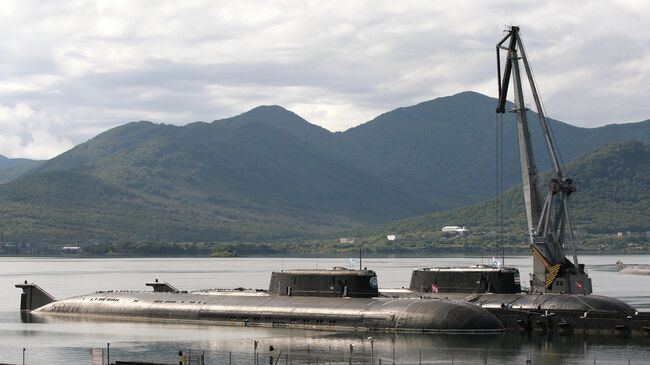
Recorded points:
(11, 168)
(269, 174)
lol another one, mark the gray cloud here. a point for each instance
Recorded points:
(74, 69)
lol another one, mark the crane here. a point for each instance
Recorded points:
(549, 220)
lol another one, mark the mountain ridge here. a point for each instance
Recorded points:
(270, 168)
(12, 168)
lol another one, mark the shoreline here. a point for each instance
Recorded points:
(351, 254)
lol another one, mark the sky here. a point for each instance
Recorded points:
(72, 69)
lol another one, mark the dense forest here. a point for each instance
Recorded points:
(272, 180)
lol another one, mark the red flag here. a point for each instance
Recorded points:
(434, 288)
(580, 284)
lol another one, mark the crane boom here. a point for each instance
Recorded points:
(550, 219)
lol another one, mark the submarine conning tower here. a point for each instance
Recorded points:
(334, 282)
(473, 279)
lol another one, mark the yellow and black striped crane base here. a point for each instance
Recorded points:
(551, 270)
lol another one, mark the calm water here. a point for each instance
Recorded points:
(69, 341)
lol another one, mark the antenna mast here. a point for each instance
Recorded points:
(549, 220)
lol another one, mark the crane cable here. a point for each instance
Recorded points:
(499, 180)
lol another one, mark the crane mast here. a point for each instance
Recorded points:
(549, 220)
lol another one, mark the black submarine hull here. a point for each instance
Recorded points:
(498, 291)
(261, 309)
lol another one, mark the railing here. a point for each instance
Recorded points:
(364, 352)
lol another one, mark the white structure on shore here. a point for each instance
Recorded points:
(454, 231)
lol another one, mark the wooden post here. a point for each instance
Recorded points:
(350, 356)
(255, 352)
(360, 259)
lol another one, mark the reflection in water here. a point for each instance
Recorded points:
(150, 341)
(220, 343)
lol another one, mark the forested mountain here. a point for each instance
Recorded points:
(267, 157)
(444, 150)
(268, 174)
(613, 195)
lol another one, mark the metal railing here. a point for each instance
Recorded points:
(263, 353)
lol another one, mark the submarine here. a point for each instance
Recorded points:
(337, 299)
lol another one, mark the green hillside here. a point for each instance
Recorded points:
(613, 195)
(444, 150)
(268, 174)
(245, 178)
(62, 206)
(245, 162)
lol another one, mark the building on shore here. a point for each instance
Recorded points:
(455, 231)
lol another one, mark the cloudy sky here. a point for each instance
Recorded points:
(72, 69)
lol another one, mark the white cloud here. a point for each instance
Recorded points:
(27, 83)
(86, 66)
(31, 134)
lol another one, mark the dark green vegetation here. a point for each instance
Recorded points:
(12, 168)
(613, 196)
(269, 175)
(443, 150)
